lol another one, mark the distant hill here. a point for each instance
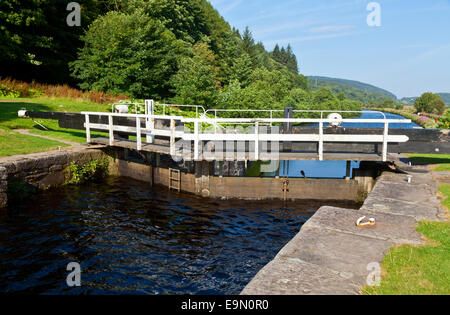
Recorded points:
(411, 100)
(353, 90)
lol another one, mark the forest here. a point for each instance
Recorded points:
(177, 51)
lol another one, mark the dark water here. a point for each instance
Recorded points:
(134, 239)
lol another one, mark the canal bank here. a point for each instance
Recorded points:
(331, 255)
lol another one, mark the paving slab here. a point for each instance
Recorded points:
(390, 227)
(402, 192)
(420, 212)
(291, 276)
(417, 179)
(346, 253)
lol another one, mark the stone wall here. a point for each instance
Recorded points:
(3, 187)
(42, 170)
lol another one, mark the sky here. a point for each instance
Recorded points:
(408, 54)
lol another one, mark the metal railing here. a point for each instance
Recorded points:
(255, 136)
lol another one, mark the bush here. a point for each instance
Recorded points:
(93, 170)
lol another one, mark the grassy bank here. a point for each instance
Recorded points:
(421, 270)
(439, 162)
(13, 143)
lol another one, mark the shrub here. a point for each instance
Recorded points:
(93, 170)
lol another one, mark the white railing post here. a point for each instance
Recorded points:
(256, 141)
(321, 141)
(88, 129)
(138, 133)
(385, 139)
(149, 121)
(196, 141)
(111, 132)
(172, 137)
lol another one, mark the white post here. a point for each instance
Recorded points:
(385, 138)
(111, 133)
(196, 141)
(321, 141)
(138, 133)
(149, 121)
(256, 141)
(88, 129)
(172, 137)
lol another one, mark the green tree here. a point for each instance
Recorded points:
(128, 53)
(430, 103)
(195, 82)
(35, 41)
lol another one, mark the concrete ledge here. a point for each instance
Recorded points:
(291, 276)
(389, 227)
(330, 255)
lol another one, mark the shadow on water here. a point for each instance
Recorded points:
(130, 237)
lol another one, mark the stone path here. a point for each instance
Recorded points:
(331, 255)
(28, 133)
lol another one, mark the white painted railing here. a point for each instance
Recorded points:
(255, 137)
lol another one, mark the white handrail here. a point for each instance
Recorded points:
(257, 136)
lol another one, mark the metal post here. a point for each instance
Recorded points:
(88, 129)
(172, 137)
(196, 141)
(385, 139)
(321, 141)
(149, 121)
(256, 141)
(138, 133)
(111, 132)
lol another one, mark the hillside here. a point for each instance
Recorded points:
(411, 100)
(353, 90)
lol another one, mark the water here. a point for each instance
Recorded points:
(132, 238)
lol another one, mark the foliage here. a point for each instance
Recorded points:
(93, 170)
(128, 53)
(430, 103)
(11, 88)
(353, 90)
(36, 42)
(410, 100)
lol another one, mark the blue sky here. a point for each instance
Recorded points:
(409, 54)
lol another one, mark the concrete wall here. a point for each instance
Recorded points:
(249, 188)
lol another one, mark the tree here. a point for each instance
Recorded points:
(128, 53)
(430, 103)
(195, 83)
(35, 41)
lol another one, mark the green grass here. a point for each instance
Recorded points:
(442, 161)
(12, 143)
(424, 270)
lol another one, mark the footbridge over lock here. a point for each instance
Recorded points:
(208, 137)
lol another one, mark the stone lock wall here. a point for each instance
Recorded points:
(3, 187)
(42, 170)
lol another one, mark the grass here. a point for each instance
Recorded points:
(13, 143)
(423, 270)
(441, 162)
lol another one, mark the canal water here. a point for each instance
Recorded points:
(132, 238)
